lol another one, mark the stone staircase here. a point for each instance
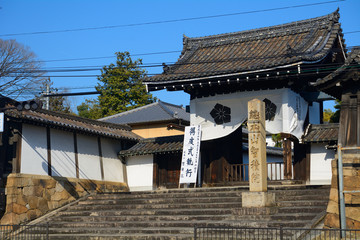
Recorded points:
(172, 214)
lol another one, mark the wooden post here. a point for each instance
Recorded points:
(287, 159)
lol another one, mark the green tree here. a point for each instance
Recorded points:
(89, 109)
(327, 114)
(277, 140)
(336, 116)
(120, 88)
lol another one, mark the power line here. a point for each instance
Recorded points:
(145, 54)
(92, 58)
(227, 60)
(322, 67)
(170, 21)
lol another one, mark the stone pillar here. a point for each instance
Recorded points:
(257, 146)
(258, 195)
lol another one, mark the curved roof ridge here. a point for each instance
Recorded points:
(166, 109)
(334, 17)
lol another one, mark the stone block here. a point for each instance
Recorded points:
(334, 195)
(353, 213)
(79, 188)
(33, 202)
(17, 208)
(46, 195)
(59, 187)
(355, 198)
(333, 207)
(10, 218)
(23, 217)
(28, 191)
(13, 190)
(32, 214)
(350, 172)
(334, 181)
(60, 196)
(53, 205)
(258, 199)
(332, 221)
(47, 183)
(43, 206)
(351, 182)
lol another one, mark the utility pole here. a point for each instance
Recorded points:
(47, 99)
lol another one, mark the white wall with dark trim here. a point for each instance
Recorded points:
(34, 154)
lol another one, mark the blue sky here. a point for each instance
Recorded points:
(96, 48)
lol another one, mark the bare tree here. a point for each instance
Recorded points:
(20, 71)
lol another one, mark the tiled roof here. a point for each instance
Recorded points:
(333, 83)
(64, 121)
(254, 50)
(155, 145)
(154, 112)
(321, 133)
(173, 144)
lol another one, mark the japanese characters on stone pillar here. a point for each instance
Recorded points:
(258, 196)
(257, 146)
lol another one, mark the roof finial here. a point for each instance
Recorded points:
(166, 68)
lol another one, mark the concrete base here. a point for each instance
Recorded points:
(258, 199)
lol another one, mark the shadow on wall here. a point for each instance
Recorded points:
(72, 187)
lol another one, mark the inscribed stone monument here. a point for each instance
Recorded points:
(258, 195)
(257, 146)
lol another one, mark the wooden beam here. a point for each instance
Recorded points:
(48, 141)
(76, 156)
(101, 159)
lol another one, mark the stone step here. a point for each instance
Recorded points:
(130, 224)
(302, 197)
(158, 206)
(132, 230)
(139, 218)
(135, 236)
(165, 195)
(301, 203)
(186, 212)
(159, 200)
(278, 217)
(172, 214)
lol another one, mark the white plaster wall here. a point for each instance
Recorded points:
(314, 113)
(62, 153)
(320, 164)
(113, 167)
(140, 172)
(34, 150)
(88, 156)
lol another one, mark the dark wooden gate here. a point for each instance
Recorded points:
(167, 170)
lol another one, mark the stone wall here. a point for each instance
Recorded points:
(351, 171)
(31, 196)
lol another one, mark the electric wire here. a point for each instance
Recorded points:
(155, 65)
(169, 21)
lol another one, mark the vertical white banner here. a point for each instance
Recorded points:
(1, 122)
(191, 153)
